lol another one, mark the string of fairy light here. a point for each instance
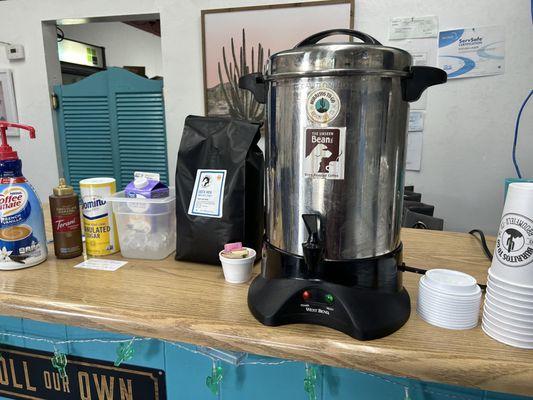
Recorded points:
(125, 352)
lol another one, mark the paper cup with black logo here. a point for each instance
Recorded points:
(513, 255)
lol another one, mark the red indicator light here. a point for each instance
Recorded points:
(306, 295)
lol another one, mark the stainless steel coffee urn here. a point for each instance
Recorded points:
(336, 123)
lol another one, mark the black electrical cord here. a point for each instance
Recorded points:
(483, 241)
(60, 34)
(414, 270)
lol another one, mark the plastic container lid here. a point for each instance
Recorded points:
(450, 281)
(97, 181)
(140, 182)
(446, 294)
(120, 197)
(311, 58)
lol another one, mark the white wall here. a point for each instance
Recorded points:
(124, 44)
(469, 122)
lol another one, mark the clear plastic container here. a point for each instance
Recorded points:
(146, 227)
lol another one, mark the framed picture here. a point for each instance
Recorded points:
(8, 105)
(238, 41)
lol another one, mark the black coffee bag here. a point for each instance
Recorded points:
(219, 188)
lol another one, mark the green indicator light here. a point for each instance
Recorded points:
(329, 298)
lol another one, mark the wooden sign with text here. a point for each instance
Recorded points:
(28, 374)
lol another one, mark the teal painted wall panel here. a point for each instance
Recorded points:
(344, 384)
(147, 353)
(436, 391)
(504, 396)
(264, 382)
(186, 372)
(46, 331)
(99, 351)
(15, 326)
(12, 325)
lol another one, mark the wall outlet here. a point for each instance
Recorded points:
(15, 52)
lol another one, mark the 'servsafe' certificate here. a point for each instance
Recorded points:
(208, 193)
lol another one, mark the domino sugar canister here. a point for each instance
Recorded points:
(98, 220)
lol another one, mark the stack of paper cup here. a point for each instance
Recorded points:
(449, 299)
(508, 310)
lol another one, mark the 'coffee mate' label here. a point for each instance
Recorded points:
(14, 206)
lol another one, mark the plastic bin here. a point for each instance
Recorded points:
(146, 227)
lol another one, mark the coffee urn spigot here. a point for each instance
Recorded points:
(314, 248)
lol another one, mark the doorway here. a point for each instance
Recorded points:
(107, 84)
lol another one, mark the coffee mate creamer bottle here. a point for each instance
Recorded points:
(98, 221)
(22, 235)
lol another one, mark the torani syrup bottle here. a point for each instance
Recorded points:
(22, 235)
(66, 223)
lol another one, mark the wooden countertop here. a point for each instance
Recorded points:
(192, 303)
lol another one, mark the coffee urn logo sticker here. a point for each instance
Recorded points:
(324, 153)
(323, 105)
(514, 245)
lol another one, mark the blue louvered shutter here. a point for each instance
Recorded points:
(141, 134)
(112, 124)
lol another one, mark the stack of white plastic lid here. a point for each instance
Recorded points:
(449, 299)
(508, 310)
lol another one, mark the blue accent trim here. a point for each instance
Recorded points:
(482, 52)
(11, 168)
(515, 140)
(96, 217)
(446, 38)
(467, 66)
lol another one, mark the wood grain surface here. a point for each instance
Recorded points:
(192, 303)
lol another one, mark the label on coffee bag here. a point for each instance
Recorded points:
(208, 193)
(324, 150)
(514, 244)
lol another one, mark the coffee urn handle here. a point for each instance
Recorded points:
(313, 249)
(314, 39)
(419, 79)
(256, 84)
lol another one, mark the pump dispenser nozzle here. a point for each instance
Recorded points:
(313, 249)
(6, 151)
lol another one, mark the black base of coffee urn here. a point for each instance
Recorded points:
(362, 298)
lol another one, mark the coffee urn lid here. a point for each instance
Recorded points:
(310, 58)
